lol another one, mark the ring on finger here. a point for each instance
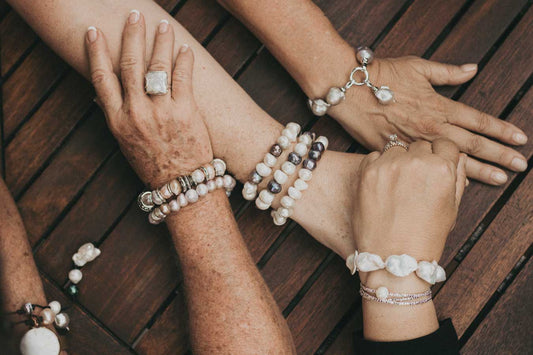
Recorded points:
(395, 142)
(156, 82)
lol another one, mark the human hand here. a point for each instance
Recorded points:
(161, 136)
(407, 201)
(421, 113)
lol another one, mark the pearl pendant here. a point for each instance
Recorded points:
(384, 95)
(39, 341)
(318, 106)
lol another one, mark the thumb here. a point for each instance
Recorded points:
(448, 74)
(182, 74)
(461, 179)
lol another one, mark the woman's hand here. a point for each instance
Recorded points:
(161, 136)
(421, 113)
(407, 201)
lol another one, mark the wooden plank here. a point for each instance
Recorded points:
(16, 37)
(507, 328)
(43, 133)
(488, 263)
(344, 343)
(200, 17)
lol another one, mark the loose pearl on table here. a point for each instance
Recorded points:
(75, 276)
(55, 306)
(266, 196)
(309, 164)
(198, 176)
(288, 168)
(229, 182)
(62, 320)
(284, 142)
(384, 95)
(182, 200)
(280, 177)
(261, 204)
(276, 150)
(300, 149)
(284, 212)
(335, 96)
(289, 134)
(382, 293)
(48, 316)
(174, 206)
(219, 182)
(287, 202)
(191, 196)
(165, 209)
(294, 127)
(294, 193)
(39, 341)
(323, 140)
(300, 185)
(202, 190)
(305, 174)
(364, 55)
(175, 187)
(263, 170)
(274, 187)
(270, 160)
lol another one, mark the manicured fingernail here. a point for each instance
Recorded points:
(499, 177)
(520, 138)
(519, 164)
(468, 67)
(184, 48)
(134, 16)
(163, 26)
(92, 34)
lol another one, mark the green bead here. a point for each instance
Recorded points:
(73, 290)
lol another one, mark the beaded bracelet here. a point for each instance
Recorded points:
(398, 265)
(85, 254)
(305, 174)
(264, 168)
(336, 95)
(382, 295)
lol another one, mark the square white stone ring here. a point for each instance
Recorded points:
(156, 82)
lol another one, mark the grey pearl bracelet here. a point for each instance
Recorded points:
(336, 95)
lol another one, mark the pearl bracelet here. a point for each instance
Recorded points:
(336, 95)
(398, 265)
(264, 168)
(305, 174)
(382, 295)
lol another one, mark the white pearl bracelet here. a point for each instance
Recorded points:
(336, 95)
(398, 265)
(264, 168)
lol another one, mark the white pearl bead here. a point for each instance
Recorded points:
(220, 166)
(284, 212)
(280, 177)
(156, 197)
(165, 209)
(249, 196)
(39, 341)
(284, 142)
(219, 182)
(300, 149)
(261, 204)
(62, 320)
(174, 205)
(294, 193)
(211, 171)
(335, 96)
(202, 189)
(288, 168)
(249, 191)
(270, 160)
(191, 196)
(263, 170)
(266, 196)
(384, 95)
(294, 127)
(198, 176)
(300, 185)
(182, 200)
(158, 213)
(319, 107)
(48, 316)
(287, 202)
(229, 182)
(75, 276)
(289, 134)
(305, 174)
(364, 55)
(305, 139)
(382, 293)
(277, 219)
(55, 306)
(211, 186)
(153, 219)
(323, 140)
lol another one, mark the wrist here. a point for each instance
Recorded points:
(407, 284)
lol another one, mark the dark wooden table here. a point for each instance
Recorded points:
(72, 185)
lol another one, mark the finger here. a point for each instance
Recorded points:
(448, 74)
(163, 51)
(420, 147)
(369, 159)
(132, 64)
(485, 173)
(483, 148)
(469, 118)
(103, 78)
(182, 75)
(461, 179)
(446, 149)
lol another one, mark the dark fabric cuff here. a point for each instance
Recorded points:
(443, 341)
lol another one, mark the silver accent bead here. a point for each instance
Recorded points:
(144, 200)
(384, 95)
(364, 55)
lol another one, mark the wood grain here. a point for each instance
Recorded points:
(16, 37)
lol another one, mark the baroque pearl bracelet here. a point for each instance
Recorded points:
(85, 254)
(264, 168)
(305, 174)
(336, 95)
(382, 295)
(398, 265)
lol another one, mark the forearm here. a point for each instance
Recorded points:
(226, 295)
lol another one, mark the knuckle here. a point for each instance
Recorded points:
(181, 75)
(429, 128)
(98, 76)
(473, 145)
(483, 122)
(159, 65)
(128, 62)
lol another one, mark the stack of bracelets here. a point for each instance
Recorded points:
(40, 340)
(400, 266)
(184, 190)
(306, 144)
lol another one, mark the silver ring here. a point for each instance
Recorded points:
(395, 142)
(156, 82)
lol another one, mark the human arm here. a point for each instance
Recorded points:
(308, 46)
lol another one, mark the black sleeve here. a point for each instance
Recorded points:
(441, 342)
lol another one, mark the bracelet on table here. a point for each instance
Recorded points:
(383, 295)
(336, 95)
(398, 265)
(264, 169)
(305, 174)
(85, 254)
